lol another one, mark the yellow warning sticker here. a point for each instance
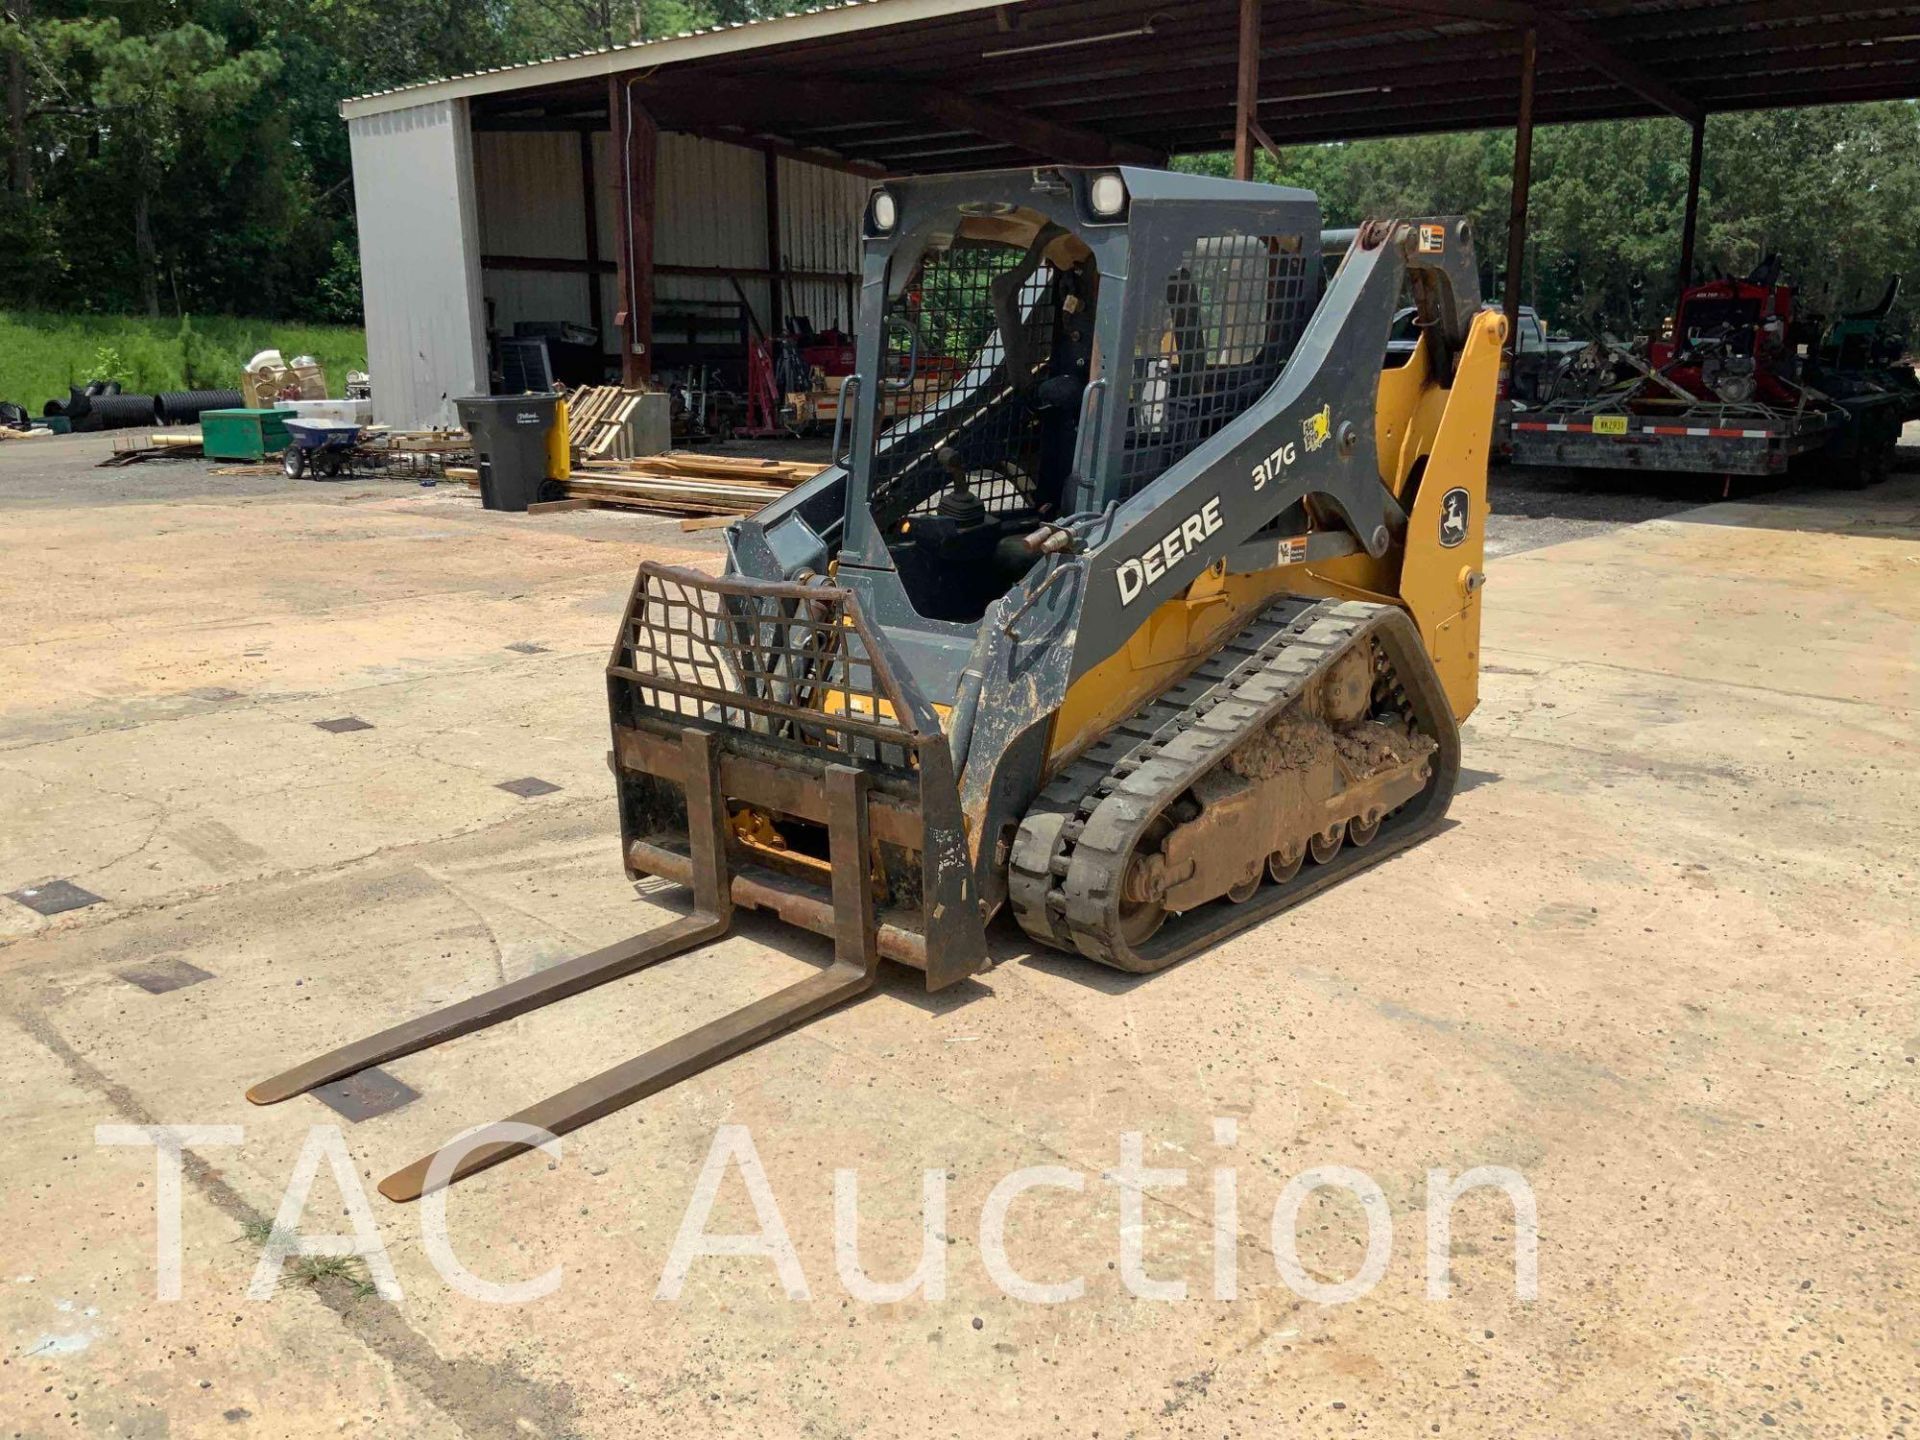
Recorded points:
(1609, 424)
(1433, 239)
(1315, 429)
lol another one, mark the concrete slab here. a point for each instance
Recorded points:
(1660, 965)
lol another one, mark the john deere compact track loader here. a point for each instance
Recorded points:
(1139, 600)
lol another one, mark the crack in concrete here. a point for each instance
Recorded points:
(459, 896)
(97, 916)
(161, 812)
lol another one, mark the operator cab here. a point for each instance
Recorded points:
(1035, 348)
(988, 344)
(1031, 352)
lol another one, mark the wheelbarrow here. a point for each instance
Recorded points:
(322, 447)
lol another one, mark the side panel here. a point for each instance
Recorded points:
(419, 261)
(1311, 438)
(1436, 575)
(1442, 575)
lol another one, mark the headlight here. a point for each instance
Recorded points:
(1108, 195)
(885, 211)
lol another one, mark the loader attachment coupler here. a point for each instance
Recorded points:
(742, 710)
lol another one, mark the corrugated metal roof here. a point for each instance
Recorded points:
(686, 45)
(916, 85)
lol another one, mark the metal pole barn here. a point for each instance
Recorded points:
(1690, 227)
(1522, 181)
(1246, 90)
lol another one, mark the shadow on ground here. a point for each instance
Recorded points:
(1537, 507)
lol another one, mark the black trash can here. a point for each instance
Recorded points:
(511, 435)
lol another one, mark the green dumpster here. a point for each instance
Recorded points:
(243, 434)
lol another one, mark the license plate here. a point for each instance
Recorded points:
(1609, 424)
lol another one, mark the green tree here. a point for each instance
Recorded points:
(1834, 191)
(191, 152)
(152, 98)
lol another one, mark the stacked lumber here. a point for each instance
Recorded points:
(678, 483)
(597, 417)
(378, 439)
(682, 483)
(175, 445)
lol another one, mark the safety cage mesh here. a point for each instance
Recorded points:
(1211, 343)
(794, 669)
(945, 344)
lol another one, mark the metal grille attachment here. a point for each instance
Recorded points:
(1219, 336)
(945, 344)
(792, 664)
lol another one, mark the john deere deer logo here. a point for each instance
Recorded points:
(1454, 515)
(1315, 429)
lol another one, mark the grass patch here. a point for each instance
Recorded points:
(42, 354)
(313, 1271)
(317, 1270)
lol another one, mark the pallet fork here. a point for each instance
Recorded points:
(777, 643)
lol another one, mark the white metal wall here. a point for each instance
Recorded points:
(529, 201)
(710, 210)
(419, 260)
(820, 213)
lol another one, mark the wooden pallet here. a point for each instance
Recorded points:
(597, 420)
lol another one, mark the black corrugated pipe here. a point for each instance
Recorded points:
(117, 412)
(183, 407)
(74, 407)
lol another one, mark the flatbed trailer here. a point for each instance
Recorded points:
(1701, 438)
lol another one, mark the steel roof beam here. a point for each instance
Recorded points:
(1049, 139)
(1456, 57)
(1443, 69)
(1736, 19)
(783, 148)
(1181, 59)
(1561, 34)
(755, 103)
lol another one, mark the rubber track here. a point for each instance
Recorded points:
(1076, 841)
